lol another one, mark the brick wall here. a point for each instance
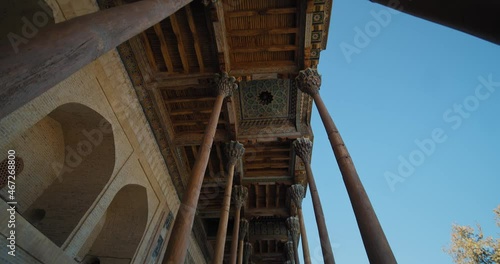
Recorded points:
(39, 147)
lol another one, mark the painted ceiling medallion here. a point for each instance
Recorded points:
(265, 99)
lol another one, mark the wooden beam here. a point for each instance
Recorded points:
(220, 31)
(192, 122)
(275, 157)
(249, 68)
(180, 42)
(267, 196)
(275, 255)
(194, 139)
(271, 48)
(211, 169)
(180, 84)
(268, 149)
(186, 160)
(170, 76)
(266, 166)
(163, 47)
(262, 12)
(278, 187)
(190, 112)
(195, 150)
(268, 179)
(267, 173)
(261, 211)
(189, 99)
(149, 51)
(262, 31)
(197, 46)
(256, 196)
(219, 155)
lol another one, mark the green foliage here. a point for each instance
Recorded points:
(470, 246)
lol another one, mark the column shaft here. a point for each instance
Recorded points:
(296, 251)
(240, 252)
(376, 244)
(179, 239)
(62, 49)
(305, 243)
(326, 248)
(234, 239)
(224, 217)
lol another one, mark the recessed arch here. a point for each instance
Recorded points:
(124, 225)
(69, 156)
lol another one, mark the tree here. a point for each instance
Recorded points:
(470, 246)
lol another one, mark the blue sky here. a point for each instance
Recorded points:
(395, 90)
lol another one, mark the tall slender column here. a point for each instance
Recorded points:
(179, 239)
(290, 249)
(376, 244)
(234, 151)
(240, 194)
(247, 252)
(303, 149)
(293, 224)
(297, 193)
(57, 51)
(242, 235)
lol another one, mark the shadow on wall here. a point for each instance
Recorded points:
(121, 228)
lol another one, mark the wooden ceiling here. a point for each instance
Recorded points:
(172, 65)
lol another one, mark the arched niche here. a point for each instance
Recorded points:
(69, 156)
(123, 226)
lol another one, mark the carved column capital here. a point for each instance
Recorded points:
(243, 229)
(290, 251)
(309, 81)
(240, 194)
(247, 251)
(297, 193)
(234, 151)
(293, 225)
(207, 2)
(225, 84)
(303, 149)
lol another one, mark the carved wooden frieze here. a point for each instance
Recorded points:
(268, 227)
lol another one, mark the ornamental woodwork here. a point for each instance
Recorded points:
(293, 225)
(240, 194)
(234, 151)
(297, 193)
(309, 81)
(207, 2)
(243, 229)
(225, 84)
(303, 149)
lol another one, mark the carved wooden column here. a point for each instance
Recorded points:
(290, 249)
(297, 193)
(59, 50)
(303, 149)
(293, 225)
(179, 239)
(234, 152)
(242, 235)
(247, 252)
(376, 244)
(240, 194)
